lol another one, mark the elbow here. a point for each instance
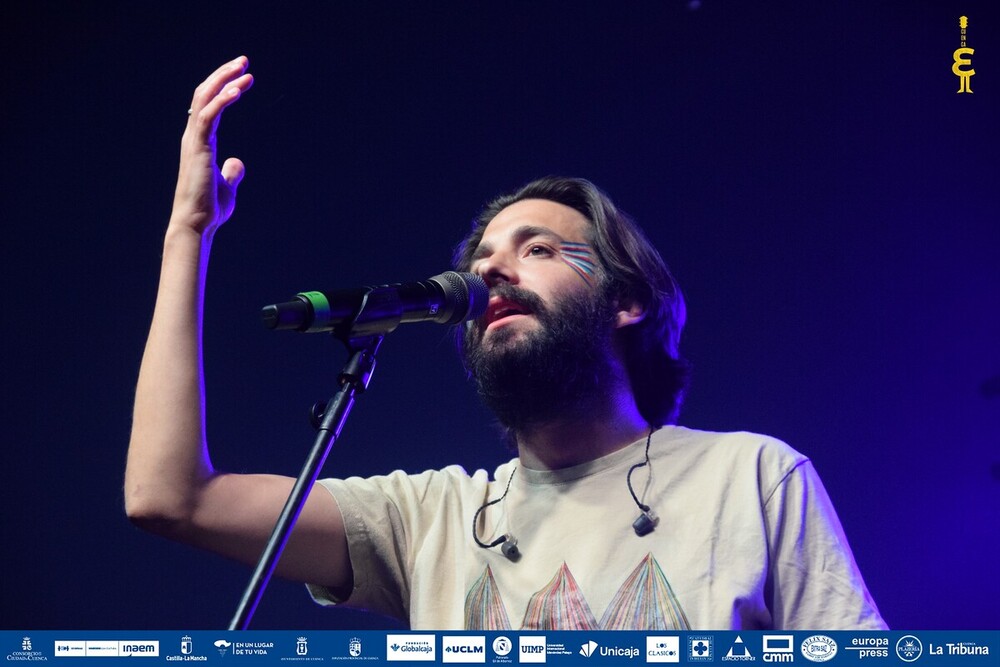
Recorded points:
(156, 515)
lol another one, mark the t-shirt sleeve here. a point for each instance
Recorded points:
(813, 580)
(391, 521)
(377, 543)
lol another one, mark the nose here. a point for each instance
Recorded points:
(496, 269)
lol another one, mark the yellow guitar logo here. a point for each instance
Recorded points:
(962, 60)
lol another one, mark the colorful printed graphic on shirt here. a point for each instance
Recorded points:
(484, 597)
(559, 606)
(645, 601)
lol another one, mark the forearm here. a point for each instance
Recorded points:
(170, 485)
(168, 461)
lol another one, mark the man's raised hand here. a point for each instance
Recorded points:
(206, 195)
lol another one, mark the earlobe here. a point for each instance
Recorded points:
(630, 312)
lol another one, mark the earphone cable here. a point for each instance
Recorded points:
(628, 478)
(475, 518)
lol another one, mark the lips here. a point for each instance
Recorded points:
(501, 308)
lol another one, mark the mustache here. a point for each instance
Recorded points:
(520, 295)
(476, 328)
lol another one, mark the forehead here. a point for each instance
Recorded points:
(541, 214)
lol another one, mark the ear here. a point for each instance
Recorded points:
(629, 312)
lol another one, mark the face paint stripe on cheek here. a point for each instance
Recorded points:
(579, 258)
(586, 270)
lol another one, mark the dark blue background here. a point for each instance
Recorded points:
(827, 200)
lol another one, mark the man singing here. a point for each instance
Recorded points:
(610, 516)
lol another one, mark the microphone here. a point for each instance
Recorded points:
(447, 298)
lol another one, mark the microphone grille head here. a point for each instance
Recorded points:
(466, 293)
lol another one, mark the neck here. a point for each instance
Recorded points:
(571, 440)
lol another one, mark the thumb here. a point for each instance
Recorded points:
(233, 171)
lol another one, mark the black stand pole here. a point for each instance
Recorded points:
(353, 381)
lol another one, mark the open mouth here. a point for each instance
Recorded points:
(501, 309)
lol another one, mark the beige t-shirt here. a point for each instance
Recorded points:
(747, 539)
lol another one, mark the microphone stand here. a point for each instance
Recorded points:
(362, 339)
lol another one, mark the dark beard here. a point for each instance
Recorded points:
(561, 370)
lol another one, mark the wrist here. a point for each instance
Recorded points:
(183, 240)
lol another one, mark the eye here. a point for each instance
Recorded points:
(537, 250)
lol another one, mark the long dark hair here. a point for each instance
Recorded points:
(635, 271)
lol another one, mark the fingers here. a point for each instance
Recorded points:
(223, 87)
(233, 171)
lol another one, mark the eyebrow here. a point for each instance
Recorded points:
(520, 235)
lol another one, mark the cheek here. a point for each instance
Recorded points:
(579, 258)
(583, 271)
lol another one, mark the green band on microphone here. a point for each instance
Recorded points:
(321, 310)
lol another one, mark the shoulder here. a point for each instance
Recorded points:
(734, 443)
(450, 480)
(729, 453)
